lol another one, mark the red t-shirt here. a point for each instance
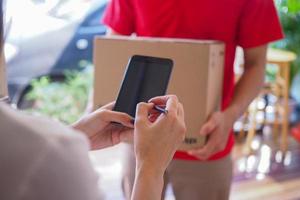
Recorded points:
(247, 23)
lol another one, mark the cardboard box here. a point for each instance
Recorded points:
(3, 83)
(196, 79)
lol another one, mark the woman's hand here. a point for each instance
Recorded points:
(156, 140)
(101, 132)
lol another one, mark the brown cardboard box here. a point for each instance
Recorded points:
(3, 83)
(196, 78)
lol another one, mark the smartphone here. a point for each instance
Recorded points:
(145, 78)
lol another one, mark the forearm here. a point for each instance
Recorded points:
(148, 184)
(250, 83)
(246, 90)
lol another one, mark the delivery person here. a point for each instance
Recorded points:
(205, 173)
(45, 160)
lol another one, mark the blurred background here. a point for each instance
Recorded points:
(49, 49)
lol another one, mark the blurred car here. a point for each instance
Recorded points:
(48, 37)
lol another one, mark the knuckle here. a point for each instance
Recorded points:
(141, 104)
(104, 112)
(173, 96)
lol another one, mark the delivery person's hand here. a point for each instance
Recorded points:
(101, 132)
(216, 129)
(155, 142)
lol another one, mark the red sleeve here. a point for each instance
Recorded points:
(259, 24)
(119, 16)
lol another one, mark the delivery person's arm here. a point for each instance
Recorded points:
(219, 124)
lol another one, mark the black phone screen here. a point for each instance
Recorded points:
(145, 77)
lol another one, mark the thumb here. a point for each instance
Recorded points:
(209, 126)
(142, 112)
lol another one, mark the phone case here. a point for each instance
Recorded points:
(145, 78)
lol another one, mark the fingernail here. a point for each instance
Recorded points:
(132, 121)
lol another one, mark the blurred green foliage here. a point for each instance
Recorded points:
(289, 13)
(271, 72)
(64, 101)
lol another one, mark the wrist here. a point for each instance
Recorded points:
(232, 113)
(148, 182)
(149, 175)
(149, 168)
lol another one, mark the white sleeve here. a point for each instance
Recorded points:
(64, 172)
